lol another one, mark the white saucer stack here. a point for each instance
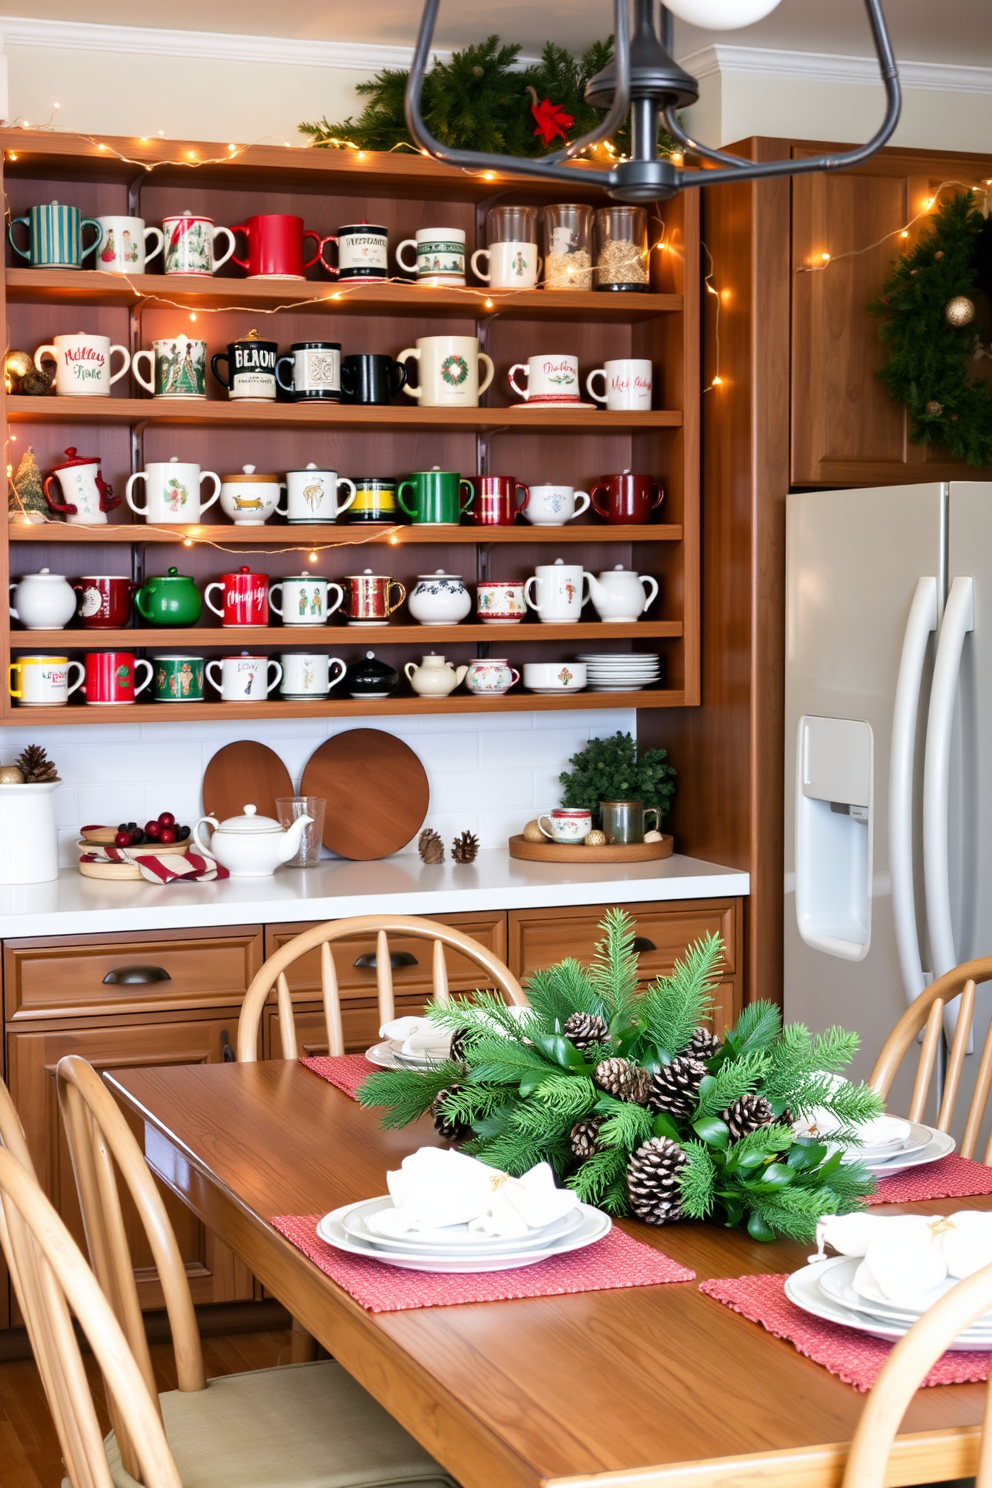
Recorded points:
(621, 672)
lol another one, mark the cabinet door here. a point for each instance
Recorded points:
(214, 1273)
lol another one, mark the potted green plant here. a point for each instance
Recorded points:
(613, 770)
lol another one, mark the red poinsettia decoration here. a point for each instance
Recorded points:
(551, 120)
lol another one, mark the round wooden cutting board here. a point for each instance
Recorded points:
(376, 790)
(577, 852)
(244, 774)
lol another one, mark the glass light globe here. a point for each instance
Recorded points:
(721, 15)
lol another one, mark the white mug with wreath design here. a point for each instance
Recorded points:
(449, 371)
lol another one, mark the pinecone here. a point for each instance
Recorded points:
(430, 847)
(457, 1048)
(653, 1180)
(36, 767)
(703, 1044)
(448, 1128)
(585, 1030)
(465, 848)
(641, 1086)
(673, 1088)
(747, 1114)
(616, 1077)
(584, 1138)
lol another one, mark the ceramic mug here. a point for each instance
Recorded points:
(368, 377)
(500, 602)
(550, 379)
(244, 678)
(369, 597)
(86, 496)
(511, 265)
(177, 368)
(123, 245)
(626, 499)
(362, 253)
(491, 676)
(308, 674)
(172, 491)
(190, 244)
(498, 498)
(314, 372)
(561, 591)
(437, 497)
(625, 821)
(553, 505)
(275, 246)
(554, 676)
(104, 601)
(42, 681)
(111, 678)
(55, 236)
(304, 599)
(245, 598)
(627, 383)
(250, 497)
(439, 255)
(178, 679)
(565, 825)
(312, 495)
(82, 364)
(375, 500)
(251, 369)
(449, 371)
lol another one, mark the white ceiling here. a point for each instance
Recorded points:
(953, 31)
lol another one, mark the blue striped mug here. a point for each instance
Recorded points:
(55, 236)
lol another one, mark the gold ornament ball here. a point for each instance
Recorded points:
(595, 838)
(533, 833)
(18, 363)
(11, 775)
(960, 311)
(934, 409)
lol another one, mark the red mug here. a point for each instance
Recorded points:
(246, 598)
(110, 677)
(104, 601)
(626, 499)
(275, 246)
(498, 498)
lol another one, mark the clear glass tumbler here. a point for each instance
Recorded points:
(622, 249)
(292, 807)
(567, 231)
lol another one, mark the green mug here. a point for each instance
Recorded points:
(177, 679)
(436, 497)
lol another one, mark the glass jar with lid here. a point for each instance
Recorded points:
(511, 256)
(622, 249)
(567, 232)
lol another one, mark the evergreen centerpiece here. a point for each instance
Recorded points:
(613, 770)
(635, 1103)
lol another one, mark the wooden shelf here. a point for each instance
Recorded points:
(338, 634)
(299, 537)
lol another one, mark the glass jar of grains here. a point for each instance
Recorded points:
(567, 246)
(622, 248)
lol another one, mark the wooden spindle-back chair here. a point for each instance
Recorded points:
(926, 1015)
(273, 974)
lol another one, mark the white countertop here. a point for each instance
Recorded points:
(73, 905)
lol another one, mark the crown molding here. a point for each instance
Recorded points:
(828, 67)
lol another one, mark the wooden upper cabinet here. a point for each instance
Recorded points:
(847, 430)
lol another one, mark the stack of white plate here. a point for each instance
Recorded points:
(896, 1144)
(827, 1290)
(365, 1229)
(629, 671)
(389, 1055)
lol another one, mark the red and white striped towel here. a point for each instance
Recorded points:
(188, 867)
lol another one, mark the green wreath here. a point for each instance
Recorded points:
(934, 331)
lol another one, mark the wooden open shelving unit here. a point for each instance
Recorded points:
(130, 428)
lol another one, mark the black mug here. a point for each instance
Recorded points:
(370, 378)
(251, 369)
(312, 370)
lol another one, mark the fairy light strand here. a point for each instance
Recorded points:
(983, 188)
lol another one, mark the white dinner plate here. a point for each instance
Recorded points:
(360, 1224)
(918, 1136)
(331, 1229)
(838, 1283)
(804, 1289)
(388, 1056)
(939, 1145)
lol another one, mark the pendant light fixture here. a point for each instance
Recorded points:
(644, 80)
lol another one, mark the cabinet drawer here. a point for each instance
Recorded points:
(59, 976)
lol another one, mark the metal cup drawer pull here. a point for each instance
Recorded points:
(642, 944)
(367, 961)
(135, 976)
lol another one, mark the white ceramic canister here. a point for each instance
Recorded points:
(557, 591)
(249, 499)
(43, 600)
(29, 839)
(439, 599)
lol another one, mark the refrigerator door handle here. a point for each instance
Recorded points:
(920, 626)
(958, 620)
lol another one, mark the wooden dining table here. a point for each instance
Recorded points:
(635, 1386)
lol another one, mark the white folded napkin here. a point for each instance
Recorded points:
(418, 1038)
(435, 1187)
(907, 1255)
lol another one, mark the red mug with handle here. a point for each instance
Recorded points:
(626, 499)
(110, 678)
(275, 246)
(245, 598)
(498, 498)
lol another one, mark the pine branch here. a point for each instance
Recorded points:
(697, 1181)
(792, 1212)
(560, 990)
(675, 1005)
(599, 1177)
(613, 973)
(625, 1125)
(500, 1061)
(757, 1028)
(406, 1094)
(516, 1152)
(734, 1078)
(570, 1096)
(473, 1103)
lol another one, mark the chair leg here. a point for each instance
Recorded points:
(302, 1345)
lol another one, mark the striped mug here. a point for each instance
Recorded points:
(55, 236)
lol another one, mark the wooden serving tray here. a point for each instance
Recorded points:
(577, 852)
(125, 872)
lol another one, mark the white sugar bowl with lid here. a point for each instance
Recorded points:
(249, 499)
(43, 600)
(250, 846)
(439, 598)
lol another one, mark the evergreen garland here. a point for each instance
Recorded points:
(928, 357)
(522, 1087)
(613, 770)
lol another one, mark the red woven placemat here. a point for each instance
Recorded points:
(614, 1261)
(346, 1071)
(952, 1178)
(854, 1357)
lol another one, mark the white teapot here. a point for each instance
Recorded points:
(251, 846)
(43, 600)
(434, 677)
(619, 595)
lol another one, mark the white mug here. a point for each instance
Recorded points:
(177, 367)
(172, 491)
(511, 265)
(449, 371)
(244, 678)
(309, 674)
(303, 599)
(123, 247)
(82, 364)
(550, 379)
(566, 824)
(439, 255)
(312, 495)
(561, 588)
(42, 681)
(627, 383)
(552, 506)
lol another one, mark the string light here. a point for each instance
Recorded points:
(489, 304)
(312, 558)
(825, 257)
(904, 233)
(716, 380)
(192, 315)
(897, 232)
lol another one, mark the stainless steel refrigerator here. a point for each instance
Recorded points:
(888, 778)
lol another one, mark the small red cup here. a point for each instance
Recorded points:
(626, 500)
(110, 677)
(104, 601)
(245, 598)
(275, 246)
(498, 498)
